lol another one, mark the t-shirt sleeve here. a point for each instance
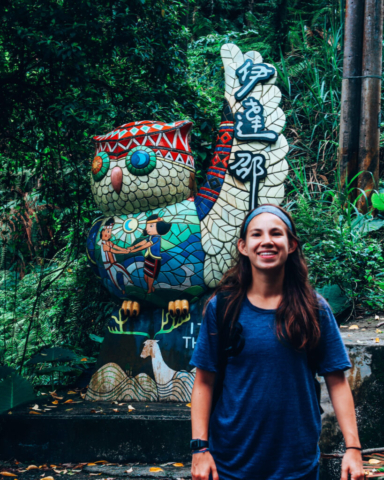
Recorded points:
(205, 353)
(331, 352)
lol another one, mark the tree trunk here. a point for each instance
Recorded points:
(369, 137)
(351, 92)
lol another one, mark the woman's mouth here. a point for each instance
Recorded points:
(267, 254)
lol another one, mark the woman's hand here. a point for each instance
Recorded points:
(202, 465)
(352, 464)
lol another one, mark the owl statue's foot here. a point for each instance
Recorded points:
(178, 307)
(130, 308)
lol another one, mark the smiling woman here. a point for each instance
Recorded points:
(256, 411)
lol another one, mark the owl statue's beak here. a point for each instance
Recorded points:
(117, 179)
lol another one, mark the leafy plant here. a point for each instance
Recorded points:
(14, 390)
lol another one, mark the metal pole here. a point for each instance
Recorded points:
(369, 136)
(351, 91)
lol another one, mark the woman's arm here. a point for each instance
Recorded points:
(342, 401)
(202, 463)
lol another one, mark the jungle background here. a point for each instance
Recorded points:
(70, 70)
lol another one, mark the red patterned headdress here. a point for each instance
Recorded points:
(168, 140)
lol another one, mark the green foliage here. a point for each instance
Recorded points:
(14, 390)
(54, 354)
(378, 201)
(71, 70)
(335, 297)
(341, 246)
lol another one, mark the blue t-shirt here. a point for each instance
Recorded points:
(267, 423)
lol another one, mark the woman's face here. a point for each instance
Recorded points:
(267, 244)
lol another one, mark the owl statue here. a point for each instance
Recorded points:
(158, 241)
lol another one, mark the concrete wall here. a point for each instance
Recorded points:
(366, 379)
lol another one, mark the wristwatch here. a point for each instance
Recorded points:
(196, 443)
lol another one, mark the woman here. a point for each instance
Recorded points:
(266, 424)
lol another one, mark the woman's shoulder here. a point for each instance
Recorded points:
(325, 312)
(323, 304)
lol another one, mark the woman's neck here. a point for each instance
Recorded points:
(266, 290)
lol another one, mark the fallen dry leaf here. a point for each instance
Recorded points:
(84, 359)
(34, 412)
(115, 410)
(69, 401)
(9, 413)
(8, 474)
(343, 326)
(91, 464)
(55, 402)
(188, 405)
(57, 471)
(101, 461)
(129, 471)
(373, 461)
(353, 327)
(377, 317)
(178, 464)
(71, 392)
(53, 466)
(377, 340)
(32, 467)
(132, 408)
(82, 395)
(156, 469)
(43, 466)
(378, 331)
(49, 478)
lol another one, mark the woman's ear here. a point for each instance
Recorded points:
(242, 247)
(292, 245)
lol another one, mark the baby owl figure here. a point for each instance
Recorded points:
(160, 243)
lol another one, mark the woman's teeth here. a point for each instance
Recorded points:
(267, 254)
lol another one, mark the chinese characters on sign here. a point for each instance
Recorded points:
(249, 166)
(250, 74)
(250, 124)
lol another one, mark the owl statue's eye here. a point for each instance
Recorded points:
(141, 160)
(100, 166)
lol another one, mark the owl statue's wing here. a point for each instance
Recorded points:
(221, 220)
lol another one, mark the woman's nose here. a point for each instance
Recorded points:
(117, 179)
(266, 239)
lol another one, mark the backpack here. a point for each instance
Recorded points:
(232, 343)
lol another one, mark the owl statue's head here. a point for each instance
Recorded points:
(141, 166)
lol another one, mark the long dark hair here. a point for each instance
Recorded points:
(297, 315)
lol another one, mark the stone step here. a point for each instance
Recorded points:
(89, 431)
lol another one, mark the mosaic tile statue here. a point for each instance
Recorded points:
(160, 243)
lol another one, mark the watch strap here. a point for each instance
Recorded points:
(196, 443)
